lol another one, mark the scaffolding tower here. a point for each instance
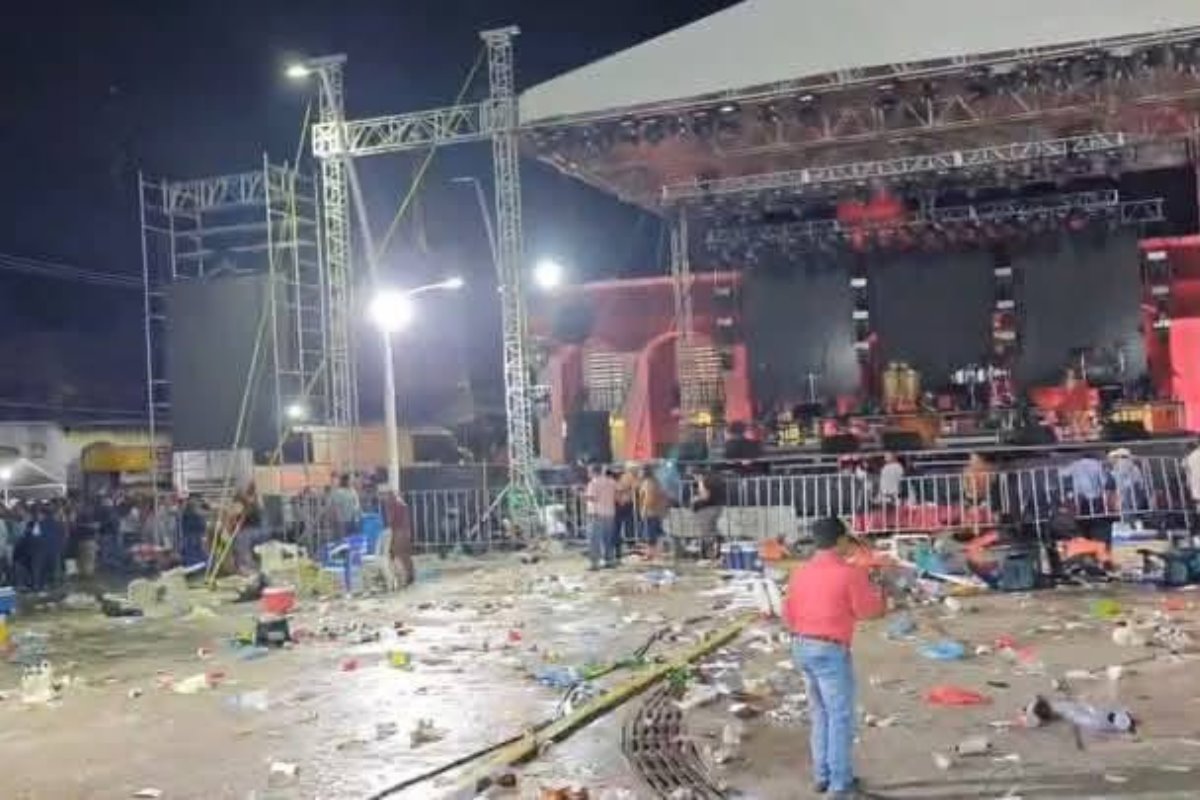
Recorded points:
(264, 221)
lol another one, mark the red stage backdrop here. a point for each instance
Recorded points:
(622, 333)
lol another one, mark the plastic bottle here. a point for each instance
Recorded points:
(1093, 719)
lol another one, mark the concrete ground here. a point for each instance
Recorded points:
(336, 708)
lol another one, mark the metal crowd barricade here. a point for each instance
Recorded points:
(769, 506)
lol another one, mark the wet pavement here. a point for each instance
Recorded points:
(476, 632)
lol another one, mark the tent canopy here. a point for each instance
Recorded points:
(762, 42)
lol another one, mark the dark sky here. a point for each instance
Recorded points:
(96, 91)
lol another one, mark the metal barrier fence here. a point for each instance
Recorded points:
(1153, 489)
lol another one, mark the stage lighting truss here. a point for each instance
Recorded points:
(941, 228)
(888, 110)
(1012, 163)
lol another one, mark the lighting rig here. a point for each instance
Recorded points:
(912, 98)
(939, 228)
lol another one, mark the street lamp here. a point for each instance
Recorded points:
(6, 475)
(548, 273)
(392, 310)
(298, 71)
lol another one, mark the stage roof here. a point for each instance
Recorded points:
(763, 42)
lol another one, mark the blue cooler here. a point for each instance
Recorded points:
(743, 557)
(8, 601)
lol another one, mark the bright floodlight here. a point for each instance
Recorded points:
(391, 310)
(297, 71)
(6, 474)
(453, 283)
(548, 273)
(296, 412)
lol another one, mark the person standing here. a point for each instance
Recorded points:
(345, 507)
(398, 522)
(826, 598)
(891, 478)
(1087, 477)
(653, 504)
(625, 522)
(707, 505)
(601, 499)
(1191, 465)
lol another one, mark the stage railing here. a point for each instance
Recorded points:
(1151, 489)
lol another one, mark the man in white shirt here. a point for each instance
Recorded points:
(1192, 465)
(890, 479)
(601, 498)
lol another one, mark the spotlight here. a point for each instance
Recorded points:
(296, 412)
(548, 273)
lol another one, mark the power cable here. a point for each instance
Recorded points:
(47, 269)
(419, 175)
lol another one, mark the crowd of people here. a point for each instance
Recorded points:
(40, 538)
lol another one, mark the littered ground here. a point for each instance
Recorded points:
(342, 715)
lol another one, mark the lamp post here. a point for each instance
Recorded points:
(6, 475)
(392, 310)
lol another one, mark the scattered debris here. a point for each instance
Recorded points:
(193, 684)
(955, 696)
(943, 650)
(424, 733)
(148, 793)
(973, 746)
(283, 772)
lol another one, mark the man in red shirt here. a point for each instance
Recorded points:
(826, 598)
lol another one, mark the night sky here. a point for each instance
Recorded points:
(96, 91)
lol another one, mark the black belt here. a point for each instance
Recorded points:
(826, 639)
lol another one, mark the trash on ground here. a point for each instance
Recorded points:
(147, 794)
(284, 771)
(973, 746)
(1083, 716)
(955, 696)
(193, 684)
(424, 733)
(943, 650)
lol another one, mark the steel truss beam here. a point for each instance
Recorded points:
(398, 133)
(226, 191)
(1056, 207)
(800, 180)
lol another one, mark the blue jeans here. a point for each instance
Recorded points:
(600, 540)
(652, 529)
(829, 678)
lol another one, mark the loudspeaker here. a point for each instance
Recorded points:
(589, 438)
(1124, 432)
(841, 443)
(901, 441)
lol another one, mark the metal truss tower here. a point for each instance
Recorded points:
(338, 284)
(501, 114)
(336, 140)
(690, 402)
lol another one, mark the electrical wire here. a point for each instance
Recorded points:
(419, 175)
(47, 269)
